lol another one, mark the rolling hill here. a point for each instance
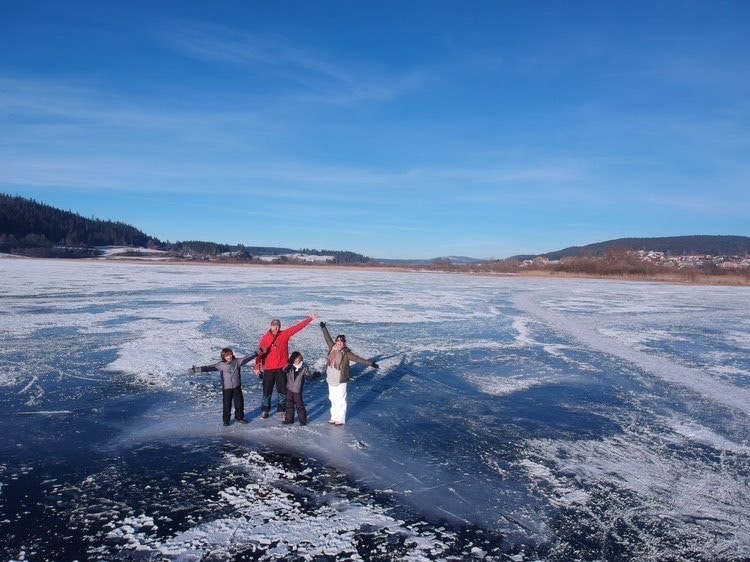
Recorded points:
(709, 245)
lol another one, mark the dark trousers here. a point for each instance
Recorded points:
(294, 400)
(233, 395)
(271, 378)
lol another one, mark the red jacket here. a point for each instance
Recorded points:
(278, 351)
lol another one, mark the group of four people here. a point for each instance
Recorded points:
(287, 373)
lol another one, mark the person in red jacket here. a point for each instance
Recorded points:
(270, 365)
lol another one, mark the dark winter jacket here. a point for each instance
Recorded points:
(295, 378)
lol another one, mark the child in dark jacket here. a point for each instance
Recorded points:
(296, 371)
(231, 383)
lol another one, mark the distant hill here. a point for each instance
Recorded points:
(455, 260)
(710, 245)
(30, 228)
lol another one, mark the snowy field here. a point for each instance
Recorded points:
(510, 419)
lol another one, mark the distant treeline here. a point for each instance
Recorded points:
(239, 252)
(30, 228)
(211, 249)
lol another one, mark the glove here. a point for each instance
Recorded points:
(375, 365)
(322, 324)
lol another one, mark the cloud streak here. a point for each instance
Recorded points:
(294, 70)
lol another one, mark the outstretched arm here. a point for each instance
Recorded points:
(202, 369)
(361, 360)
(251, 357)
(310, 375)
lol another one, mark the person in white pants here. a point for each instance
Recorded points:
(337, 373)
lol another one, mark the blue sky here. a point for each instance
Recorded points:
(395, 129)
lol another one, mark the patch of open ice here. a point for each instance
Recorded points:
(589, 477)
(591, 335)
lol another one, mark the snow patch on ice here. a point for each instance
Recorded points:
(501, 386)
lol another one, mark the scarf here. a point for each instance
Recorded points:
(334, 358)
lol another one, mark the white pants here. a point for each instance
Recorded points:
(337, 396)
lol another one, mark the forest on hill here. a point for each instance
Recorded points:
(707, 245)
(34, 229)
(30, 228)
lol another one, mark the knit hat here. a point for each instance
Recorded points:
(276, 322)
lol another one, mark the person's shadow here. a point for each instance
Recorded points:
(367, 387)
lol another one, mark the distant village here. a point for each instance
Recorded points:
(661, 259)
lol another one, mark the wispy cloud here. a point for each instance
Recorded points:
(297, 70)
(73, 133)
(68, 101)
(71, 102)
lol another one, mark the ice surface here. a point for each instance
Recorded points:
(510, 418)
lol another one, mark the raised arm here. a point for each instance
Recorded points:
(299, 326)
(326, 336)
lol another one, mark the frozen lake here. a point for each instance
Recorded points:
(511, 418)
